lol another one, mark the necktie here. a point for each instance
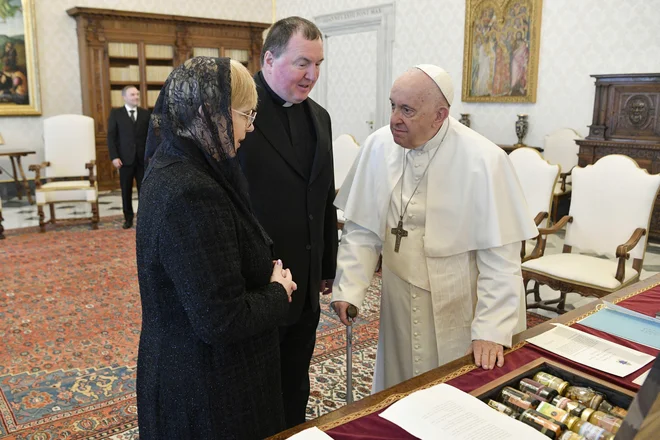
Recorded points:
(132, 112)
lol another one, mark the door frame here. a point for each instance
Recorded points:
(378, 18)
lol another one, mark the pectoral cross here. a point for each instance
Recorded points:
(400, 233)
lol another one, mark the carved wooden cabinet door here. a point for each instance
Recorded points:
(120, 48)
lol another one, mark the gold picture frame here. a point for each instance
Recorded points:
(501, 54)
(19, 72)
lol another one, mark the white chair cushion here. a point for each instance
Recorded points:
(558, 188)
(584, 270)
(65, 185)
(66, 191)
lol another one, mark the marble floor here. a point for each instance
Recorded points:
(20, 214)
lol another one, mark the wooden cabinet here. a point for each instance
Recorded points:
(119, 48)
(626, 120)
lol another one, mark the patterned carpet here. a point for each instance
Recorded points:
(70, 327)
(70, 321)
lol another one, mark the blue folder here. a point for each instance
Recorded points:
(626, 324)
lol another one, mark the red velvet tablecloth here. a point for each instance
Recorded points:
(374, 427)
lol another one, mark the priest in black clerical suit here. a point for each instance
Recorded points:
(289, 167)
(127, 136)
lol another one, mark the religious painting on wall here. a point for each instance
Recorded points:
(19, 75)
(501, 55)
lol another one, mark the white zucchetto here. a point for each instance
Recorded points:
(441, 78)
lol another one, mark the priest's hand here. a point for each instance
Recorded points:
(326, 287)
(486, 353)
(341, 308)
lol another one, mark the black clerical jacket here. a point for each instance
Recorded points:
(296, 210)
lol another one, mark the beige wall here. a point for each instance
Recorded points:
(578, 38)
(58, 56)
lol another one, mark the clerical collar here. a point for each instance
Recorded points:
(436, 140)
(275, 96)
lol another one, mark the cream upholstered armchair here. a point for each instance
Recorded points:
(606, 233)
(560, 148)
(344, 149)
(70, 153)
(538, 179)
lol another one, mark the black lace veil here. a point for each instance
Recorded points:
(195, 104)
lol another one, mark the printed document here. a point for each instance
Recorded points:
(591, 351)
(445, 412)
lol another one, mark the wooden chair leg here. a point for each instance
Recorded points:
(525, 283)
(534, 290)
(42, 223)
(53, 219)
(561, 305)
(2, 228)
(537, 291)
(560, 302)
(555, 207)
(95, 215)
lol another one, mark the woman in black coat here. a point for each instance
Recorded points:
(212, 298)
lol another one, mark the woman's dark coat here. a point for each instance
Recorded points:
(208, 363)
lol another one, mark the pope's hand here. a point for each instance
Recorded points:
(486, 353)
(341, 308)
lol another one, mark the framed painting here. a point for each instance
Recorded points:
(501, 54)
(19, 73)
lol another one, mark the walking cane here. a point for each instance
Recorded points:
(352, 312)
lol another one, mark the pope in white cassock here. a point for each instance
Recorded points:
(444, 207)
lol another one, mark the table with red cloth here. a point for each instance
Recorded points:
(361, 419)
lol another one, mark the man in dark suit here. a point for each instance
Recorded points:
(289, 166)
(127, 138)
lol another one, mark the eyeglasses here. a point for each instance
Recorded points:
(250, 117)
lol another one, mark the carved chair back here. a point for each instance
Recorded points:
(610, 200)
(537, 178)
(344, 149)
(560, 148)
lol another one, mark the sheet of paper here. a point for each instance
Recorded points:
(591, 351)
(311, 434)
(445, 412)
(642, 377)
(626, 324)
